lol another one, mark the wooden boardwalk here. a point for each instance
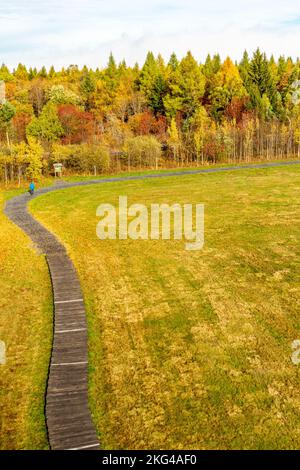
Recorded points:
(68, 416)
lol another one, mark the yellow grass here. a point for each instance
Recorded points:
(192, 349)
(26, 329)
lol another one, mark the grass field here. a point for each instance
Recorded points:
(26, 329)
(187, 349)
(192, 349)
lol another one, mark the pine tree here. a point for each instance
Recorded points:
(111, 69)
(52, 72)
(122, 67)
(156, 97)
(152, 82)
(31, 74)
(260, 84)
(216, 63)
(244, 67)
(227, 85)
(43, 72)
(148, 74)
(88, 87)
(208, 67)
(173, 62)
(5, 74)
(190, 85)
(21, 72)
(111, 76)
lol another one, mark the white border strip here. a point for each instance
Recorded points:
(67, 301)
(69, 363)
(85, 447)
(71, 331)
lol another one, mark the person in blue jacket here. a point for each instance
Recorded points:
(32, 188)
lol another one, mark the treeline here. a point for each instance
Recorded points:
(176, 113)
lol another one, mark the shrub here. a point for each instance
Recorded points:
(86, 158)
(143, 150)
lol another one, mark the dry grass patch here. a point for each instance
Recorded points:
(192, 349)
(26, 328)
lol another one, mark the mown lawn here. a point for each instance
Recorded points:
(188, 349)
(26, 329)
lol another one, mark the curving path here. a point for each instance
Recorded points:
(68, 416)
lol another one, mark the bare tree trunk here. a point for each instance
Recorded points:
(7, 138)
(5, 173)
(19, 176)
(12, 173)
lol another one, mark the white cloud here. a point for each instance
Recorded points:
(85, 31)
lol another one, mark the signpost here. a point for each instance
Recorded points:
(58, 169)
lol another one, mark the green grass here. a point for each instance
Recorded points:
(137, 172)
(192, 349)
(26, 329)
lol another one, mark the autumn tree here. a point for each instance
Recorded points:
(261, 86)
(174, 139)
(200, 124)
(21, 72)
(58, 94)
(198, 112)
(186, 88)
(5, 74)
(87, 88)
(77, 125)
(29, 156)
(47, 127)
(227, 85)
(7, 112)
(37, 96)
(34, 154)
(20, 121)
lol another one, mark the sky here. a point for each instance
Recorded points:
(60, 33)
